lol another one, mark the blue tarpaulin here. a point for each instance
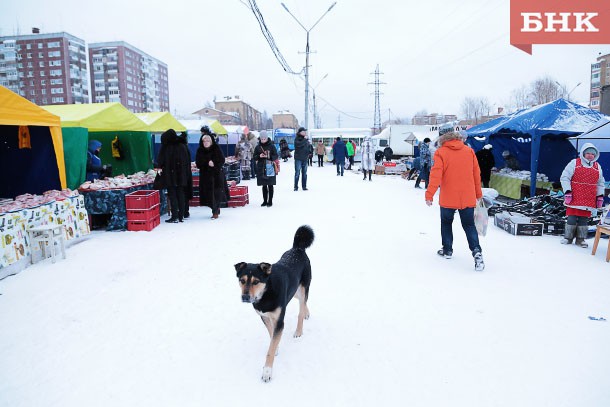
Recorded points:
(537, 137)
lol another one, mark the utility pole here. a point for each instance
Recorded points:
(339, 121)
(377, 83)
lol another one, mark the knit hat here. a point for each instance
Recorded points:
(263, 134)
(487, 146)
(589, 150)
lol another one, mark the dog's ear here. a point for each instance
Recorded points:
(265, 267)
(240, 266)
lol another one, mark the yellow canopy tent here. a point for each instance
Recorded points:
(159, 122)
(32, 144)
(105, 122)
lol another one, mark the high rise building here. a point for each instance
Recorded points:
(46, 69)
(122, 73)
(600, 77)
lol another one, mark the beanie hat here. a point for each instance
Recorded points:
(589, 150)
(263, 134)
(488, 147)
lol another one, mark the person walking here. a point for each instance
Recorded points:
(301, 153)
(388, 153)
(320, 152)
(368, 157)
(265, 154)
(456, 171)
(310, 155)
(582, 181)
(425, 162)
(175, 164)
(486, 162)
(209, 159)
(350, 154)
(339, 154)
(253, 143)
(243, 153)
(284, 150)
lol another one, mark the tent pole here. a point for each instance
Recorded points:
(534, 164)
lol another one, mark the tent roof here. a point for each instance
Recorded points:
(599, 135)
(18, 111)
(160, 121)
(98, 117)
(557, 117)
(196, 124)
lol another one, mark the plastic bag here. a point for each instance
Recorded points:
(481, 218)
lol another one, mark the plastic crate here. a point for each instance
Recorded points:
(238, 190)
(146, 225)
(194, 202)
(143, 214)
(142, 199)
(241, 200)
(236, 204)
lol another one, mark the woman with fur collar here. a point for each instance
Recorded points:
(583, 183)
(212, 183)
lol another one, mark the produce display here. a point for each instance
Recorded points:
(120, 181)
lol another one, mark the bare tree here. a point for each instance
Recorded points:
(520, 98)
(545, 89)
(474, 107)
(484, 106)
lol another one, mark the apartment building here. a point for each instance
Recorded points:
(122, 73)
(229, 118)
(433, 118)
(248, 115)
(284, 120)
(46, 69)
(600, 77)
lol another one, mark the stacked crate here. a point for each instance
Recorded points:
(194, 201)
(239, 196)
(143, 210)
(232, 171)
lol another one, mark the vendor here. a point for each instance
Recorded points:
(510, 161)
(95, 169)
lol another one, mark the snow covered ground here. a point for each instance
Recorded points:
(155, 318)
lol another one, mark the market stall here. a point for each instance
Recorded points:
(512, 187)
(31, 152)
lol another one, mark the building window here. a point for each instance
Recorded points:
(43, 82)
(41, 73)
(28, 46)
(41, 64)
(40, 45)
(54, 44)
(41, 55)
(43, 91)
(29, 55)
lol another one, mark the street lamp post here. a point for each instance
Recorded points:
(307, 57)
(573, 89)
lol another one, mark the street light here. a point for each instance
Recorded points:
(307, 57)
(570, 92)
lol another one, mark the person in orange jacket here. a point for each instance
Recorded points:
(456, 171)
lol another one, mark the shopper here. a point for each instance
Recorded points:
(339, 154)
(368, 157)
(284, 150)
(583, 183)
(265, 154)
(209, 159)
(301, 153)
(456, 172)
(188, 190)
(388, 153)
(175, 164)
(243, 153)
(253, 143)
(350, 154)
(425, 162)
(321, 152)
(310, 155)
(486, 162)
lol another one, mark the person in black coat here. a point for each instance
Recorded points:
(486, 162)
(188, 190)
(175, 163)
(209, 159)
(388, 153)
(284, 150)
(301, 156)
(265, 153)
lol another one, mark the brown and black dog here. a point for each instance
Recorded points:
(269, 288)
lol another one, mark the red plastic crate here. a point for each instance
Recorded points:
(142, 199)
(236, 204)
(143, 214)
(146, 225)
(241, 200)
(194, 202)
(238, 190)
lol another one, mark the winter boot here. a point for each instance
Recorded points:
(581, 235)
(265, 194)
(568, 236)
(479, 265)
(270, 201)
(446, 254)
(370, 174)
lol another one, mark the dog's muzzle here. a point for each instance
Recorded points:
(246, 298)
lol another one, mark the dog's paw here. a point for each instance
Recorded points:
(307, 316)
(297, 334)
(267, 374)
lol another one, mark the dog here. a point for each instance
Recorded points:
(270, 287)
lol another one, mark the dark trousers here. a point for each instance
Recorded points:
(310, 160)
(320, 160)
(424, 174)
(467, 219)
(577, 220)
(176, 199)
(252, 169)
(300, 166)
(340, 166)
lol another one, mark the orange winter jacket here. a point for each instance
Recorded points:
(457, 172)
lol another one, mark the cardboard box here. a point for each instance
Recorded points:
(518, 225)
(379, 169)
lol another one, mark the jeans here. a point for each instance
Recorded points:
(467, 219)
(341, 165)
(298, 167)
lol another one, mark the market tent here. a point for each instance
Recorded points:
(25, 169)
(104, 122)
(599, 136)
(538, 136)
(158, 122)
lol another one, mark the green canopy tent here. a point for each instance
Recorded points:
(104, 122)
(159, 122)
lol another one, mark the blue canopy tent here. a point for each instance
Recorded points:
(523, 134)
(599, 136)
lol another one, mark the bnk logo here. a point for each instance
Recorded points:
(558, 22)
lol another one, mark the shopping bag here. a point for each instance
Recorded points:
(481, 218)
(159, 182)
(269, 169)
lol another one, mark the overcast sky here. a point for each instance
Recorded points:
(432, 53)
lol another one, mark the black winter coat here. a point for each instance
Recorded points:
(175, 161)
(271, 151)
(486, 160)
(212, 182)
(301, 148)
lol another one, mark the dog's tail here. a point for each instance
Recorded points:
(303, 238)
